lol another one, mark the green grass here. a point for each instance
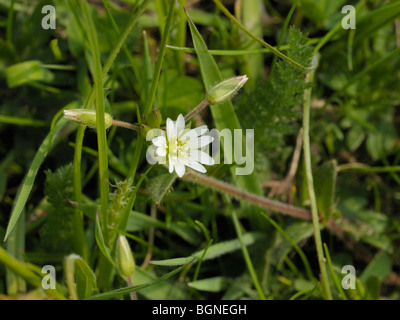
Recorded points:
(324, 190)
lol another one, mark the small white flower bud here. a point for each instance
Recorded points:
(126, 262)
(225, 89)
(86, 117)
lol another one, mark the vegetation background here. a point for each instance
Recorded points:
(326, 144)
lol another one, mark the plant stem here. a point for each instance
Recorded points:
(247, 196)
(132, 293)
(294, 245)
(271, 48)
(107, 65)
(153, 88)
(363, 167)
(310, 183)
(196, 110)
(125, 125)
(80, 246)
(246, 256)
(100, 110)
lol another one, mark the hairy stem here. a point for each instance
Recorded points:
(196, 110)
(247, 196)
(124, 124)
(310, 183)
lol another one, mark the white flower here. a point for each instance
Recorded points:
(183, 148)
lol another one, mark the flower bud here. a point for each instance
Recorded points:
(143, 130)
(153, 119)
(225, 89)
(86, 117)
(126, 262)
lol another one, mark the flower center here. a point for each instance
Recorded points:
(178, 148)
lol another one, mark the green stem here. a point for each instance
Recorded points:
(196, 110)
(283, 31)
(334, 276)
(80, 246)
(132, 21)
(160, 59)
(271, 48)
(153, 88)
(364, 168)
(294, 244)
(126, 125)
(15, 247)
(100, 110)
(310, 183)
(246, 256)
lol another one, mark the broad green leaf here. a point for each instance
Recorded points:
(314, 10)
(27, 184)
(293, 244)
(31, 273)
(215, 250)
(374, 20)
(372, 288)
(181, 93)
(297, 231)
(303, 285)
(172, 262)
(380, 266)
(85, 280)
(252, 20)
(80, 277)
(382, 143)
(355, 137)
(223, 114)
(160, 185)
(378, 240)
(215, 284)
(25, 72)
(325, 185)
(138, 221)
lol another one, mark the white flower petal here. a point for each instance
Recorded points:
(195, 132)
(161, 151)
(201, 157)
(171, 163)
(170, 128)
(160, 141)
(180, 169)
(201, 142)
(180, 125)
(196, 166)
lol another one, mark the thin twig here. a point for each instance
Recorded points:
(247, 196)
(132, 293)
(283, 186)
(125, 125)
(196, 110)
(310, 183)
(153, 213)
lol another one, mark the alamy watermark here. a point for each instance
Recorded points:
(349, 280)
(49, 20)
(349, 20)
(49, 280)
